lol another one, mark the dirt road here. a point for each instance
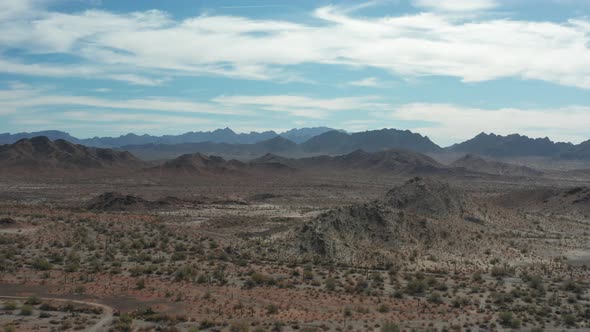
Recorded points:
(101, 325)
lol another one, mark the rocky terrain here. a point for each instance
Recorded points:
(385, 240)
(422, 213)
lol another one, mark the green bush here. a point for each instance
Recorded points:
(41, 264)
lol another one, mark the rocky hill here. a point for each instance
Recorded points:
(202, 164)
(394, 160)
(420, 214)
(41, 153)
(478, 164)
(115, 201)
(390, 160)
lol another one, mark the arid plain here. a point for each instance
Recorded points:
(382, 241)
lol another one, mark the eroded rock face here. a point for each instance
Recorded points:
(420, 212)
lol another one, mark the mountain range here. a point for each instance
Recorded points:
(225, 135)
(43, 154)
(307, 142)
(328, 143)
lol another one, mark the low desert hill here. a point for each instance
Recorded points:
(200, 164)
(422, 213)
(571, 202)
(390, 160)
(40, 153)
(478, 164)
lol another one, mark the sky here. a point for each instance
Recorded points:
(448, 69)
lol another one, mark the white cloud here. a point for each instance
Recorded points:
(105, 116)
(366, 82)
(301, 106)
(75, 71)
(456, 5)
(453, 123)
(24, 99)
(152, 44)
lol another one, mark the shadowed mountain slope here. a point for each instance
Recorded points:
(477, 164)
(42, 153)
(511, 146)
(335, 142)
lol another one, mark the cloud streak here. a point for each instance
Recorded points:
(129, 46)
(456, 5)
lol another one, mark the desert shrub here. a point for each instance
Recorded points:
(26, 310)
(41, 264)
(44, 314)
(347, 312)
(572, 286)
(536, 283)
(124, 323)
(383, 308)
(507, 320)
(272, 309)
(415, 287)
(502, 271)
(140, 284)
(184, 273)
(460, 302)
(361, 285)
(239, 327)
(502, 298)
(9, 328)
(389, 327)
(9, 306)
(330, 284)
(569, 320)
(435, 297)
(206, 324)
(257, 279)
(178, 256)
(477, 277)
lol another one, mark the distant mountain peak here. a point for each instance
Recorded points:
(510, 146)
(370, 141)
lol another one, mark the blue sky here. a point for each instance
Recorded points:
(446, 69)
